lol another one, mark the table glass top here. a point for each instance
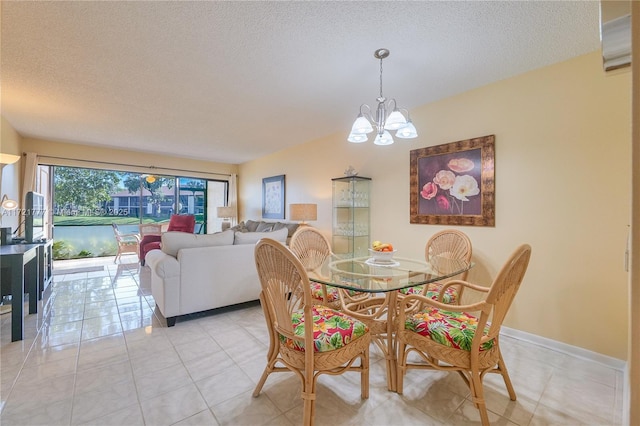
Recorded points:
(363, 274)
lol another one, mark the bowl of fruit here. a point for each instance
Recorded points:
(382, 252)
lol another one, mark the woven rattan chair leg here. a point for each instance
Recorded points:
(307, 416)
(502, 367)
(477, 394)
(263, 379)
(364, 375)
(402, 366)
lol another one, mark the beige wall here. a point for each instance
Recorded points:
(562, 184)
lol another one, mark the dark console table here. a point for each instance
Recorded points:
(30, 269)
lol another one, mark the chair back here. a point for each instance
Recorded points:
(150, 229)
(285, 287)
(310, 247)
(449, 244)
(182, 223)
(117, 232)
(505, 286)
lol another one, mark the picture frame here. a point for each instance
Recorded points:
(453, 183)
(273, 200)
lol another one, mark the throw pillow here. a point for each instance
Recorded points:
(174, 241)
(239, 227)
(265, 227)
(252, 225)
(254, 237)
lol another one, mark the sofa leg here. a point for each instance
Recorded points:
(142, 262)
(171, 321)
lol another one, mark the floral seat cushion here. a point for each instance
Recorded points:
(331, 329)
(318, 294)
(450, 295)
(453, 329)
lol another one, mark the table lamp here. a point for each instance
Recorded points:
(303, 212)
(226, 213)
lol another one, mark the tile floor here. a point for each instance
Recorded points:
(98, 354)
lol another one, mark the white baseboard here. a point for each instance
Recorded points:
(575, 351)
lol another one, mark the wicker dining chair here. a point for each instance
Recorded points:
(447, 244)
(335, 341)
(445, 336)
(127, 243)
(312, 249)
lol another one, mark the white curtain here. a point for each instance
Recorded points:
(233, 196)
(29, 178)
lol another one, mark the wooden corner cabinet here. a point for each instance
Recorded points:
(350, 228)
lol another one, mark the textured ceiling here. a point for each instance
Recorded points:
(233, 81)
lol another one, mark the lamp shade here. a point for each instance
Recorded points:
(303, 212)
(361, 125)
(384, 139)
(357, 137)
(8, 158)
(395, 121)
(407, 132)
(8, 204)
(226, 212)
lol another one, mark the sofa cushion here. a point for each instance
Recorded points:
(251, 225)
(265, 227)
(290, 226)
(254, 237)
(174, 241)
(240, 227)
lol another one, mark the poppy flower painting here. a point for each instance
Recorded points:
(454, 183)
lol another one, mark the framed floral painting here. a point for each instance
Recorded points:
(453, 184)
(273, 197)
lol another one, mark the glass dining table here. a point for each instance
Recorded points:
(369, 291)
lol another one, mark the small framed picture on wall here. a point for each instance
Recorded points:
(273, 197)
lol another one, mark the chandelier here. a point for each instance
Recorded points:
(388, 118)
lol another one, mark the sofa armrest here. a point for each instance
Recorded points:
(162, 264)
(165, 282)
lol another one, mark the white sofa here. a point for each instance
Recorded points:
(194, 273)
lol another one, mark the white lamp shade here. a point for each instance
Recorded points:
(8, 203)
(358, 137)
(407, 132)
(395, 121)
(361, 125)
(226, 212)
(8, 158)
(384, 139)
(303, 212)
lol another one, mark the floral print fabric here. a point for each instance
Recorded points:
(316, 293)
(331, 329)
(453, 329)
(450, 294)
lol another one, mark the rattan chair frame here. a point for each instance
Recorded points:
(286, 289)
(312, 249)
(127, 243)
(474, 364)
(448, 244)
